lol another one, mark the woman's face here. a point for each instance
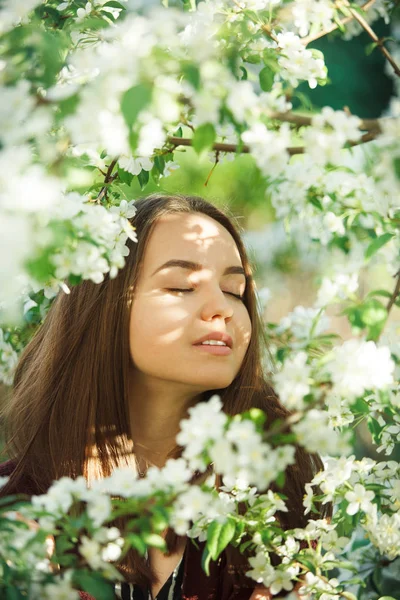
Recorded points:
(175, 306)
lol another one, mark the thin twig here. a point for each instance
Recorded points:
(311, 38)
(292, 150)
(213, 167)
(396, 292)
(108, 179)
(303, 121)
(360, 19)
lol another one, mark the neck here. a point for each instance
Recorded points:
(156, 410)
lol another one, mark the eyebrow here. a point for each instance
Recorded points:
(193, 266)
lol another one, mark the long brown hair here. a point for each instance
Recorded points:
(69, 413)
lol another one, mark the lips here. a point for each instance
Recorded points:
(215, 335)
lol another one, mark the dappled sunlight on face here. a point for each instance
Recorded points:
(190, 285)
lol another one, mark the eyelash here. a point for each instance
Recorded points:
(192, 290)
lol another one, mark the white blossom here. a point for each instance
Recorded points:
(99, 508)
(359, 365)
(340, 286)
(14, 12)
(358, 499)
(315, 434)
(292, 383)
(305, 321)
(135, 165)
(268, 147)
(62, 590)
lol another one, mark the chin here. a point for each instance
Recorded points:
(214, 383)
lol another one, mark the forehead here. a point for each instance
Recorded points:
(190, 236)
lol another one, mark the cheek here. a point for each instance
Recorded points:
(245, 329)
(155, 324)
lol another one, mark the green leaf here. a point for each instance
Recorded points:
(14, 594)
(159, 162)
(374, 428)
(205, 561)
(143, 178)
(125, 176)
(134, 101)
(67, 106)
(396, 165)
(360, 406)
(63, 544)
(266, 79)
(258, 416)
(244, 73)
(191, 73)
(41, 267)
(378, 243)
(384, 293)
(203, 137)
(152, 539)
(253, 59)
(94, 584)
(136, 542)
(114, 4)
(370, 48)
(308, 563)
(387, 598)
(178, 132)
(218, 537)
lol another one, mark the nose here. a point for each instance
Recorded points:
(216, 304)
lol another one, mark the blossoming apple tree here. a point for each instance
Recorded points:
(105, 92)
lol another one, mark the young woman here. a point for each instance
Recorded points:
(115, 367)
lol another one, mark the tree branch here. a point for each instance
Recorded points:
(360, 19)
(108, 179)
(396, 293)
(372, 125)
(311, 38)
(223, 147)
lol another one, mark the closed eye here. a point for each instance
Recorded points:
(177, 290)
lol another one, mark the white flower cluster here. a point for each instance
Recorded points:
(304, 323)
(103, 547)
(94, 245)
(339, 287)
(389, 435)
(315, 433)
(108, 231)
(13, 12)
(275, 579)
(315, 584)
(384, 533)
(297, 63)
(268, 148)
(357, 366)
(236, 451)
(293, 382)
(312, 15)
(328, 134)
(351, 480)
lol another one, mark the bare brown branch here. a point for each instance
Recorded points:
(372, 125)
(396, 293)
(311, 38)
(379, 43)
(223, 147)
(108, 179)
